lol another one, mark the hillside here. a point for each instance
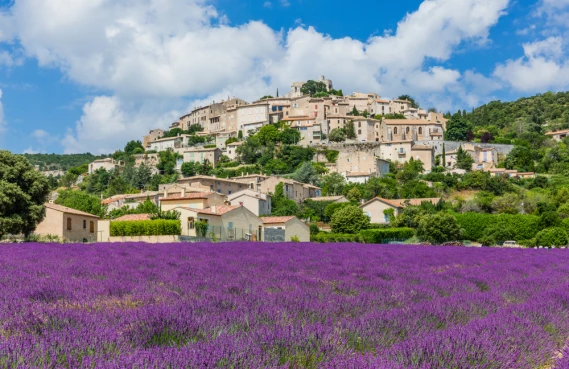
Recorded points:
(60, 161)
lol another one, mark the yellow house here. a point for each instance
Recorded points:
(293, 227)
(68, 224)
(225, 222)
(375, 207)
(193, 200)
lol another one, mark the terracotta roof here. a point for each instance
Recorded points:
(200, 150)
(113, 199)
(382, 101)
(326, 198)
(436, 134)
(219, 210)
(358, 174)
(409, 122)
(273, 220)
(188, 196)
(132, 217)
(304, 117)
(401, 202)
(65, 209)
(557, 132)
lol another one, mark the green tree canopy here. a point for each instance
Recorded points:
(410, 99)
(458, 128)
(312, 87)
(333, 184)
(337, 135)
(81, 201)
(438, 228)
(349, 220)
(463, 159)
(350, 130)
(23, 192)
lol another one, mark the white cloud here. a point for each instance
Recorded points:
(31, 150)
(542, 67)
(267, 4)
(285, 3)
(150, 56)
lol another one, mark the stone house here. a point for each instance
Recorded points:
(310, 131)
(293, 190)
(172, 143)
(258, 203)
(224, 221)
(367, 129)
(331, 199)
(558, 136)
(108, 164)
(212, 155)
(231, 150)
(153, 135)
(223, 186)
(192, 200)
(250, 118)
(68, 224)
(375, 207)
(410, 129)
(484, 157)
(293, 227)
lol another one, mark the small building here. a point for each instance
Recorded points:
(212, 155)
(375, 208)
(293, 190)
(258, 203)
(358, 177)
(558, 135)
(153, 135)
(108, 164)
(68, 224)
(224, 222)
(222, 137)
(331, 199)
(193, 200)
(292, 226)
(232, 150)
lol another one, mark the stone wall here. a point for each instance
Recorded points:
(453, 145)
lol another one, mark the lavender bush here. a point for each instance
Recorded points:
(282, 306)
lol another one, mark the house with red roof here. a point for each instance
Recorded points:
(376, 207)
(293, 227)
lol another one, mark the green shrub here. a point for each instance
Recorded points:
(439, 228)
(378, 236)
(350, 219)
(146, 228)
(201, 228)
(294, 239)
(555, 236)
(334, 237)
(314, 229)
(478, 226)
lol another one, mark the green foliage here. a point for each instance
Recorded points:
(294, 239)
(201, 228)
(266, 97)
(167, 163)
(394, 116)
(281, 206)
(379, 236)
(81, 201)
(331, 155)
(350, 130)
(337, 135)
(268, 134)
(314, 229)
(509, 203)
(231, 140)
(439, 228)
(146, 228)
(166, 215)
(410, 99)
(555, 236)
(289, 136)
(63, 162)
(334, 238)
(350, 219)
(306, 173)
(23, 192)
(355, 112)
(132, 146)
(333, 184)
(312, 87)
(77, 171)
(463, 159)
(189, 169)
(458, 128)
(332, 208)
(354, 195)
(521, 159)
(477, 225)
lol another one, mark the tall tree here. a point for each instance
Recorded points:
(23, 192)
(311, 87)
(458, 127)
(463, 159)
(410, 99)
(350, 130)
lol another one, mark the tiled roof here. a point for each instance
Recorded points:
(219, 210)
(65, 209)
(189, 196)
(113, 199)
(132, 217)
(273, 220)
(358, 174)
(409, 122)
(401, 202)
(326, 198)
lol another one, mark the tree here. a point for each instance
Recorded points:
(306, 173)
(410, 99)
(268, 134)
(189, 169)
(350, 130)
(131, 146)
(266, 97)
(311, 87)
(463, 159)
(337, 135)
(552, 237)
(281, 206)
(438, 228)
(81, 201)
(332, 208)
(289, 136)
(333, 184)
(509, 203)
(349, 220)
(520, 158)
(355, 111)
(444, 157)
(23, 192)
(167, 163)
(457, 128)
(354, 195)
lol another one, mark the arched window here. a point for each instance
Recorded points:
(407, 130)
(395, 130)
(420, 130)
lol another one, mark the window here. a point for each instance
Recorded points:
(359, 124)
(395, 130)
(69, 224)
(359, 131)
(420, 130)
(92, 227)
(191, 223)
(407, 130)
(230, 225)
(84, 224)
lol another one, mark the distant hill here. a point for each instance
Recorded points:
(61, 161)
(551, 109)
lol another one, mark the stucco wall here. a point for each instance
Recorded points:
(52, 224)
(375, 211)
(453, 145)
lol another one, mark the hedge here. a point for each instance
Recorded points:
(477, 225)
(334, 238)
(146, 228)
(555, 236)
(383, 235)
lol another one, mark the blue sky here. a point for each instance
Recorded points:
(91, 75)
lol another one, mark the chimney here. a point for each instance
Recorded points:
(214, 209)
(183, 191)
(165, 193)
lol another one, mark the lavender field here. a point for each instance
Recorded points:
(282, 306)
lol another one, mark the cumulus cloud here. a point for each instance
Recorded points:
(156, 58)
(542, 67)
